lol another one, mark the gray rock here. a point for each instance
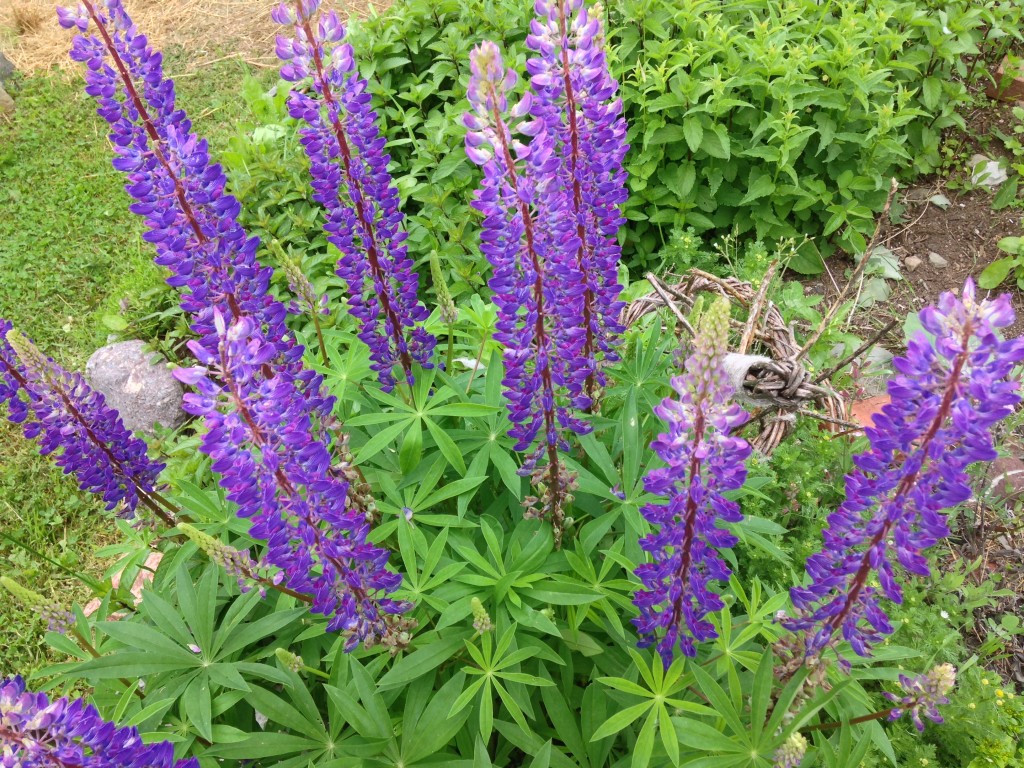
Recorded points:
(6, 103)
(6, 68)
(986, 172)
(912, 263)
(138, 384)
(937, 261)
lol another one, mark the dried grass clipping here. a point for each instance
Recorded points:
(210, 30)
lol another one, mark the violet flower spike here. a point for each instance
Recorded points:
(703, 461)
(38, 733)
(524, 291)
(73, 421)
(950, 391)
(580, 122)
(277, 472)
(189, 217)
(349, 176)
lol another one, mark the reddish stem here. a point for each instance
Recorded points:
(540, 331)
(590, 385)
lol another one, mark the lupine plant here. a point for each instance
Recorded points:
(347, 579)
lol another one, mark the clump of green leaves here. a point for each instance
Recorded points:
(763, 120)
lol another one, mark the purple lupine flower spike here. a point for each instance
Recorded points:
(350, 179)
(703, 461)
(38, 733)
(520, 250)
(275, 469)
(74, 422)
(581, 120)
(950, 391)
(189, 217)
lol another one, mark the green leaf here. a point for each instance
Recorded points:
(626, 686)
(701, 736)
(716, 142)
(1006, 195)
(621, 719)
(759, 185)
(451, 163)
(379, 442)
(452, 489)
(693, 131)
(996, 272)
(421, 661)
(931, 92)
(448, 447)
(196, 704)
(644, 747)
(563, 593)
(412, 448)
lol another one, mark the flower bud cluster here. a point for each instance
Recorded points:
(57, 617)
(703, 461)
(73, 421)
(38, 733)
(349, 176)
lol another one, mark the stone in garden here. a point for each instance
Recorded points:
(912, 263)
(6, 103)
(1007, 479)
(986, 172)
(936, 260)
(6, 68)
(138, 384)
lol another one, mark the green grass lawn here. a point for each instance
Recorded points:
(70, 252)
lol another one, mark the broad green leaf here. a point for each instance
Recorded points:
(996, 272)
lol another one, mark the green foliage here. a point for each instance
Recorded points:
(764, 120)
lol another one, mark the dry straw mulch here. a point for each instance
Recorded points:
(209, 30)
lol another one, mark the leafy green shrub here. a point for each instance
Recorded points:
(769, 120)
